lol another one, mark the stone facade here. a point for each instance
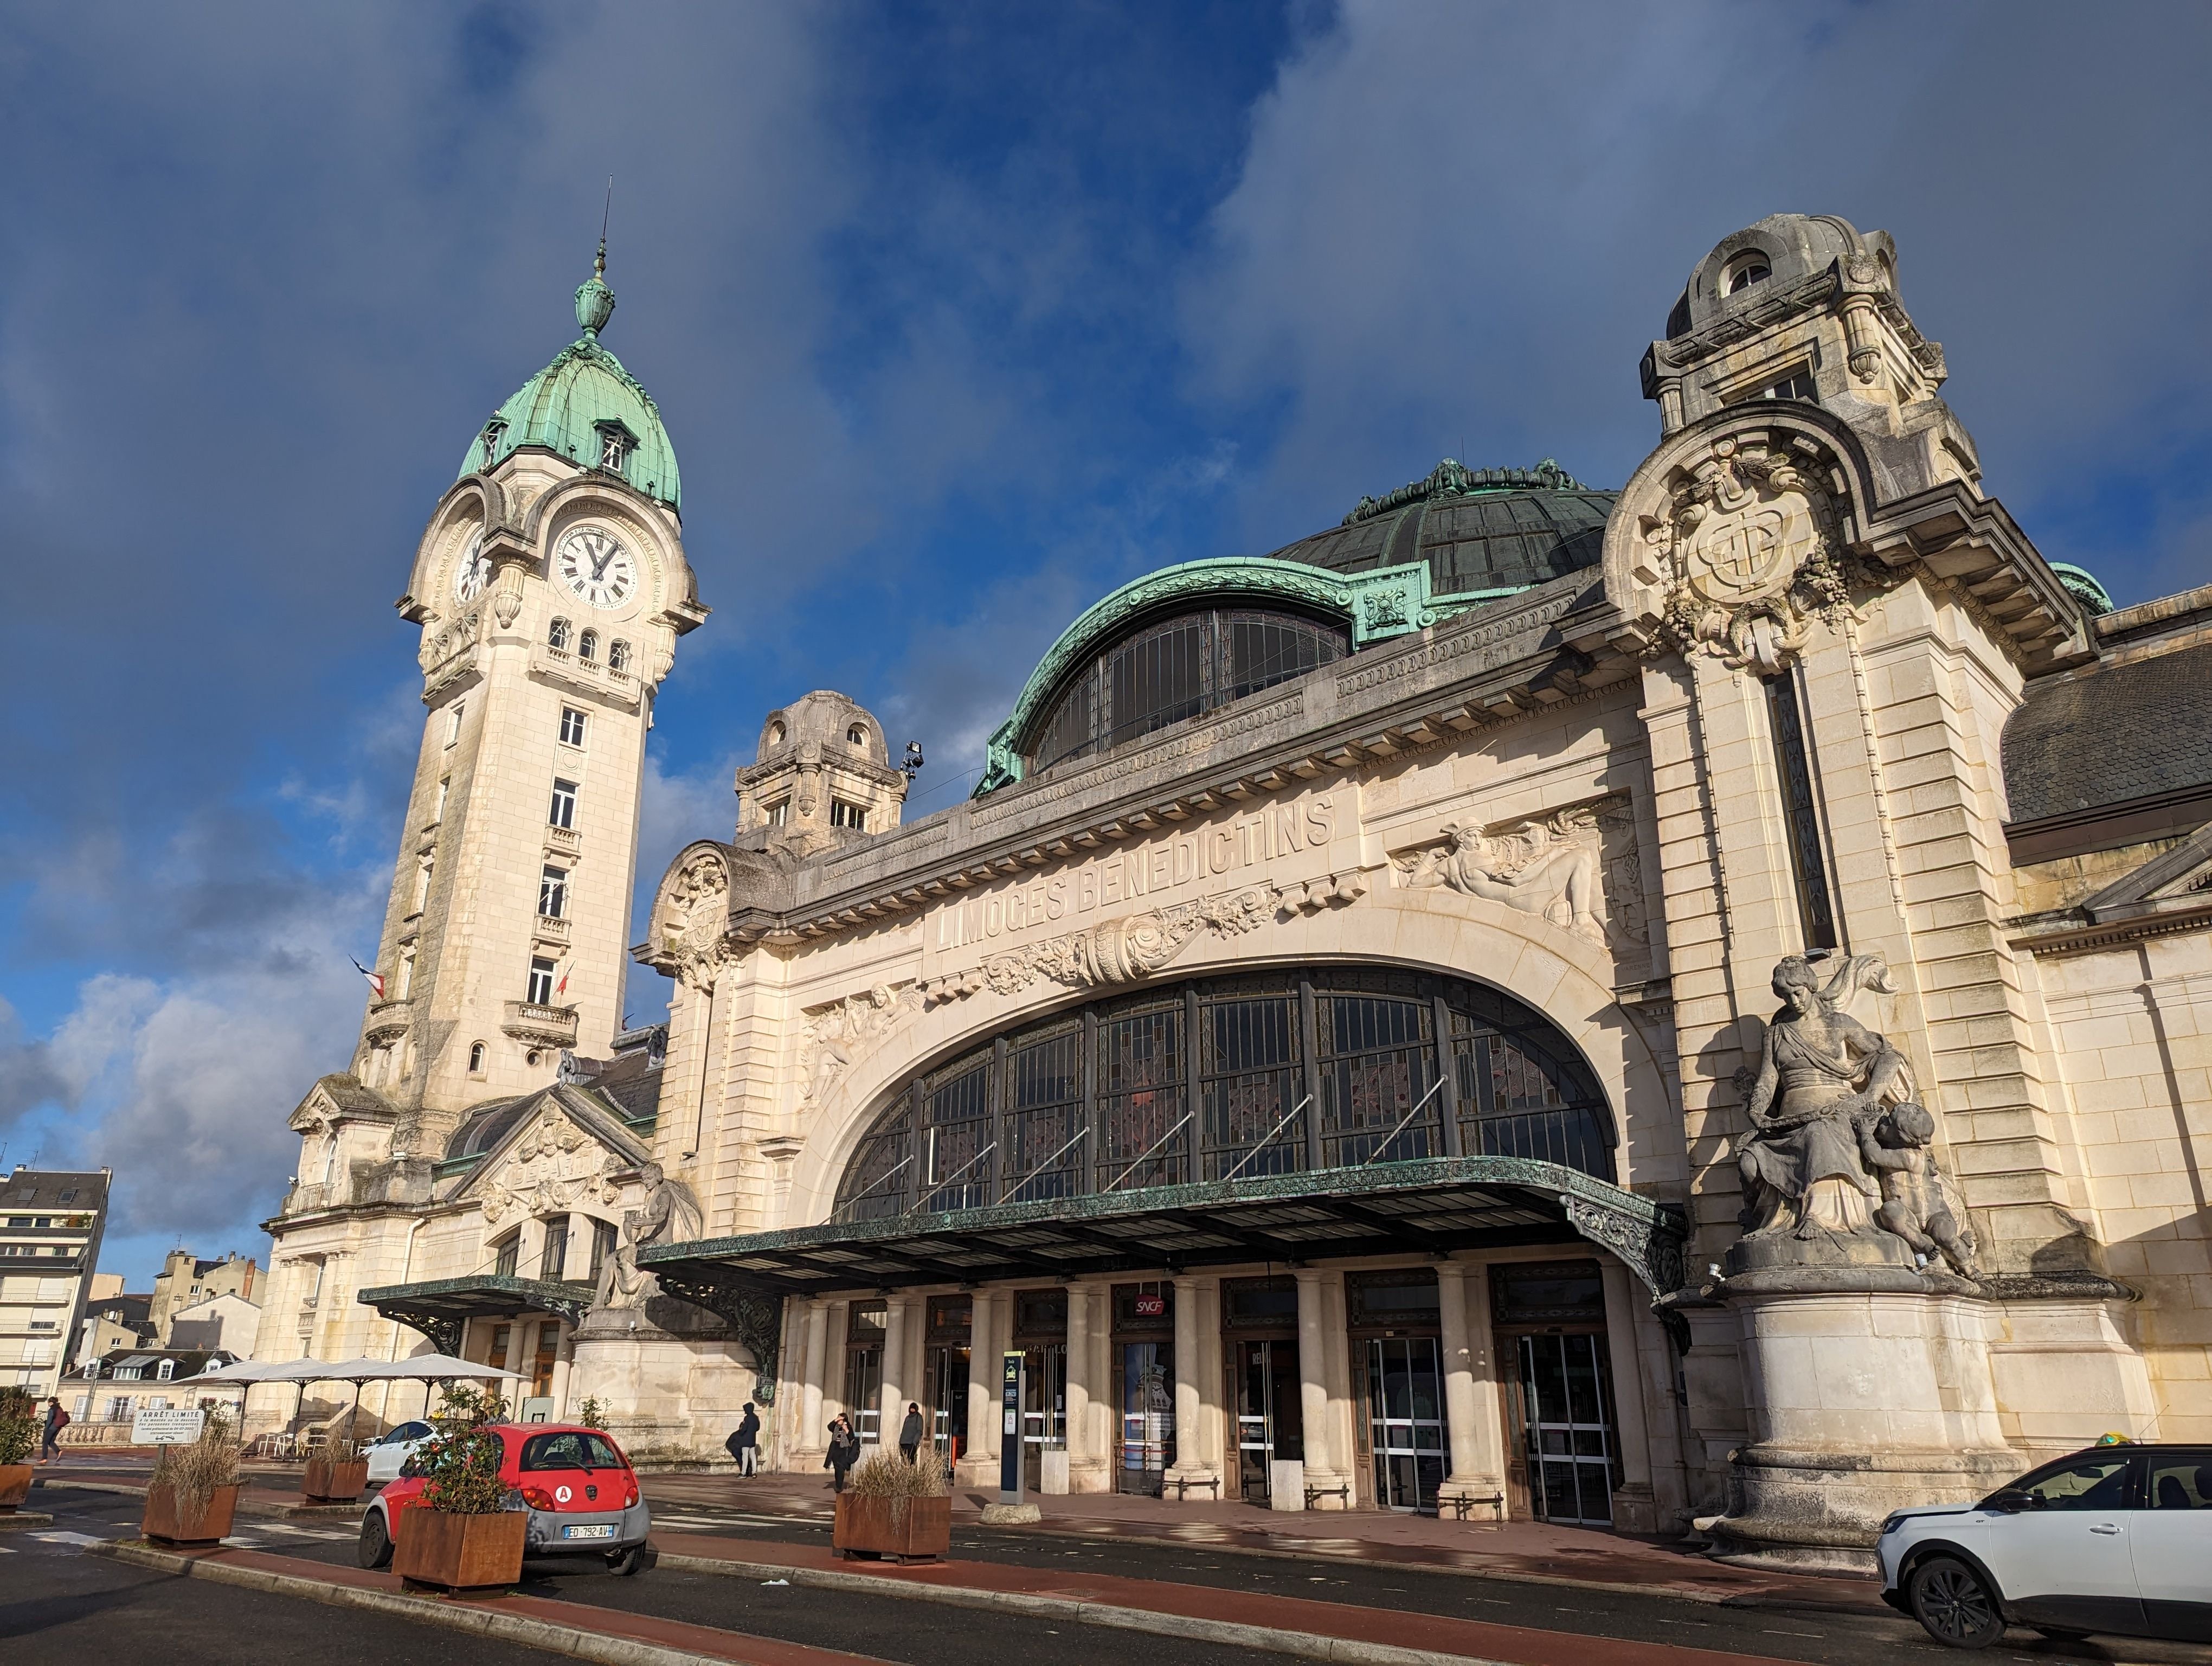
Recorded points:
(1457, 962)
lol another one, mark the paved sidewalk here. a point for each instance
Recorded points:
(1529, 1551)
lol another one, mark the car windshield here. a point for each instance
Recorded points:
(570, 1449)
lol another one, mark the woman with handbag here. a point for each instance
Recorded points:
(844, 1451)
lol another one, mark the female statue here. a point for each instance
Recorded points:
(1821, 1074)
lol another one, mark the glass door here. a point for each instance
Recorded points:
(1147, 1417)
(1405, 1421)
(948, 1399)
(864, 1391)
(1267, 1412)
(1045, 1405)
(1565, 1414)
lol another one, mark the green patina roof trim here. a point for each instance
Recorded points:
(1452, 478)
(1379, 604)
(566, 407)
(2082, 585)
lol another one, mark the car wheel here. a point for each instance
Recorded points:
(1954, 1604)
(627, 1564)
(375, 1542)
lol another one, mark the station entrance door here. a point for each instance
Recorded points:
(1268, 1424)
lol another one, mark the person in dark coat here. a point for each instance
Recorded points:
(844, 1451)
(57, 1421)
(744, 1441)
(910, 1431)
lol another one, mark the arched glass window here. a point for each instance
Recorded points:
(1754, 270)
(1175, 668)
(618, 656)
(476, 1058)
(587, 646)
(1230, 1078)
(557, 636)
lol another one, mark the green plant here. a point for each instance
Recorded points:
(887, 1475)
(460, 1472)
(591, 1414)
(466, 1408)
(19, 1426)
(193, 1471)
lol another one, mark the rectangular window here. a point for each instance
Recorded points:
(422, 883)
(554, 1260)
(453, 723)
(572, 727)
(553, 892)
(541, 983)
(505, 1255)
(406, 984)
(842, 814)
(603, 1248)
(438, 805)
(563, 813)
(778, 813)
(1800, 812)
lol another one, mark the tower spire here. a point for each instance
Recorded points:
(595, 301)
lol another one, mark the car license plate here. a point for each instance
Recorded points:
(590, 1530)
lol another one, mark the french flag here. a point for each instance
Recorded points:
(375, 979)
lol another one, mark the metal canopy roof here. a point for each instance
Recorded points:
(440, 1307)
(1425, 1207)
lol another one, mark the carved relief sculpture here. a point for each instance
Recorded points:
(837, 1034)
(1747, 552)
(693, 912)
(1548, 867)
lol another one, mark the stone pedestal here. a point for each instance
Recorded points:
(694, 1380)
(1869, 1390)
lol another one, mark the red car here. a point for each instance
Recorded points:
(581, 1492)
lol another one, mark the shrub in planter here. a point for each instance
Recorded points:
(19, 1436)
(193, 1492)
(893, 1508)
(336, 1474)
(461, 1532)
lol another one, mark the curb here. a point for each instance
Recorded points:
(1307, 1645)
(508, 1627)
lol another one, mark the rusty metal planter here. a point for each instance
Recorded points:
(461, 1553)
(166, 1520)
(334, 1481)
(892, 1527)
(15, 1486)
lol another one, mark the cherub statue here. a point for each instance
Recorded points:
(1916, 1194)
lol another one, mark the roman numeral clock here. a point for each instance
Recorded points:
(596, 569)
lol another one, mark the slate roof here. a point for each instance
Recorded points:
(2122, 730)
(1489, 540)
(35, 1188)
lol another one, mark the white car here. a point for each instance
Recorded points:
(2117, 1539)
(394, 1448)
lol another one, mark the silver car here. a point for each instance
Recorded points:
(394, 1448)
(2117, 1539)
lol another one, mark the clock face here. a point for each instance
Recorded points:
(472, 572)
(595, 568)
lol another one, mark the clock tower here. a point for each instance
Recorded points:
(551, 586)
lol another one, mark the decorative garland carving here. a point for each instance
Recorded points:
(1134, 947)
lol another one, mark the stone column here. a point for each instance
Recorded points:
(1086, 1458)
(837, 1325)
(1343, 1405)
(516, 1328)
(563, 1357)
(1635, 1506)
(891, 1402)
(1477, 1481)
(809, 1439)
(1214, 1418)
(1191, 1463)
(979, 1465)
(1313, 1376)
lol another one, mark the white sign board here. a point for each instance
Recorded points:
(166, 1428)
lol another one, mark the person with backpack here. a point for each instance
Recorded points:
(910, 1433)
(744, 1441)
(844, 1451)
(57, 1421)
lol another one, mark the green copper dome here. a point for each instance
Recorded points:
(586, 407)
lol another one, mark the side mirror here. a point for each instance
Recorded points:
(2010, 1499)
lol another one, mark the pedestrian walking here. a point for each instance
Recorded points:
(910, 1433)
(844, 1451)
(744, 1441)
(57, 1421)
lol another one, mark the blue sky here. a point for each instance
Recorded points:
(959, 316)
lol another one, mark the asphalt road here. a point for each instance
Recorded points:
(928, 1634)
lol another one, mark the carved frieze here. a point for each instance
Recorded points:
(838, 1034)
(1576, 867)
(553, 1165)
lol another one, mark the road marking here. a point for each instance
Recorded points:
(1768, 1631)
(68, 1538)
